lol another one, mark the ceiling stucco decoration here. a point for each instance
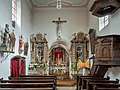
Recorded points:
(52, 3)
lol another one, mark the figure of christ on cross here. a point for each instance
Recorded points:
(58, 29)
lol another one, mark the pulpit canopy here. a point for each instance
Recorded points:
(101, 8)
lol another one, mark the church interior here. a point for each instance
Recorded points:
(59, 44)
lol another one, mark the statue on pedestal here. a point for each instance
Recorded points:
(21, 44)
(12, 41)
(26, 45)
(5, 39)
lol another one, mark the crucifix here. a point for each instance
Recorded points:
(58, 29)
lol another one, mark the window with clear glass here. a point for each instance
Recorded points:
(103, 21)
(14, 12)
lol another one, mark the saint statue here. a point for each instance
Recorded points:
(12, 41)
(6, 28)
(38, 37)
(26, 45)
(21, 44)
(5, 38)
(6, 35)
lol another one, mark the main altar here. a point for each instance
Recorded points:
(59, 59)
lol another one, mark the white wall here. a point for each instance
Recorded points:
(24, 19)
(26, 27)
(77, 20)
(115, 23)
(112, 28)
(5, 18)
(5, 12)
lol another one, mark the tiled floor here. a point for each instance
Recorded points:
(66, 88)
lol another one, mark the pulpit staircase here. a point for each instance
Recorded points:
(99, 70)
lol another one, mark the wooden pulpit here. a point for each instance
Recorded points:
(107, 50)
(107, 54)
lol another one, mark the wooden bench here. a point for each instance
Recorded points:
(94, 85)
(28, 81)
(84, 81)
(30, 78)
(38, 76)
(27, 85)
(26, 88)
(80, 82)
(107, 88)
(39, 79)
(99, 81)
(79, 78)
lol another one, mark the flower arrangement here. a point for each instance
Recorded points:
(36, 66)
(33, 66)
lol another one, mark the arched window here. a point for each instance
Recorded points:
(14, 12)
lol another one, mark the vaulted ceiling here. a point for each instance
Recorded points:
(52, 3)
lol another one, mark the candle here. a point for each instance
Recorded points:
(83, 66)
(83, 71)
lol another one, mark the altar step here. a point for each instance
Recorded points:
(66, 83)
(66, 88)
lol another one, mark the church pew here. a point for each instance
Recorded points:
(84, 80)
(26, 88)
(80, 80)
(32, 78)
(35, 78)
(93, 85)
(37, 75)
(28, 81)
(107, 88)
(98, 81)
(27, 85)
(41, 76)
